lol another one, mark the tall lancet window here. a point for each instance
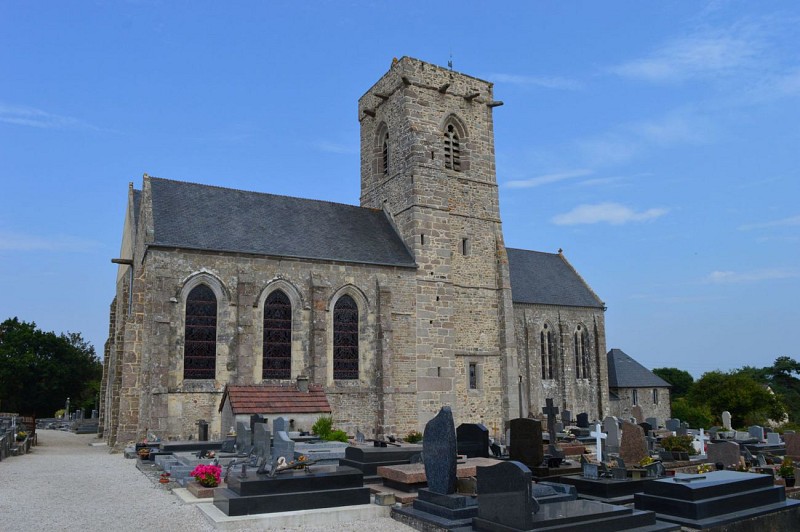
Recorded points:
(277, 337)
(345, 338)
(385, 154)
(546, 348)
(200, 334)
(581, 341)
(452, 149)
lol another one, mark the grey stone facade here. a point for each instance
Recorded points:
(444, 329)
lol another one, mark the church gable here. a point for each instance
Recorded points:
(201, 217)
(625, 372)
(548, 279)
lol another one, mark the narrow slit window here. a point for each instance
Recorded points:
(385, 154)
(635, 396)
(655, 396)
(473, 376)
(465, 246)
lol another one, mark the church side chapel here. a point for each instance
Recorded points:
(393, 308)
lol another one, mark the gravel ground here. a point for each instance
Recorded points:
(67, 483)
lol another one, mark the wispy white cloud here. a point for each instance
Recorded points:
(15, 241)
(547, 82)
(546, 179)
(30, 116)
(334, 147)
(612, 213)
(730, 277)
(792, 221)
(710, 53)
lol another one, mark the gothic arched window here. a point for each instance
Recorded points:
(200, 334)
(345, 338)
(581, 341)
(452, 149)
(277, 351)
(546, 347)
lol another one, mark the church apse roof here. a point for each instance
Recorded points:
(275, 399)
(547, 279)
(203, 217)
(625, 372)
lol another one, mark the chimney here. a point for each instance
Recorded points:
(302, 383)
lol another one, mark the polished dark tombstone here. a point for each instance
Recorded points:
(439, 506)
(526, 442)
(369, 459)
(319, 487)
(582, 420)
(506, 503)
(473, 440)
(505, 497)
(718, 498)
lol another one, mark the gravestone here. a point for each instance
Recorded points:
(473, 440)
(360, 437)
(244, 440)
(550, 411)
(282, 445)
(637, 413)
(566, 417)
(653, 422)
(582, 420)
(611, 428)
(526, 441)
(724, 452)
(255, 418)
(683, 429)
(792, 441)
(280, 424)
(672, 424)
(261, 440)
(773, 438)
(439, 452)
(699, 443)
(646, 427)
(726, 420)
(505, 496)
(559, 427)
(756, 432)
(633, 447)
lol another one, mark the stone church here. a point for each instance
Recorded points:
(396, 307)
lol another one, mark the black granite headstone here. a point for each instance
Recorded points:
(504, 495)
(526, 441)
(582, 420)
(473, 440)
(439, 452)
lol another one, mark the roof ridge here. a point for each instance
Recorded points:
(218, 187)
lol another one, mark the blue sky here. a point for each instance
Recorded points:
(657, 143)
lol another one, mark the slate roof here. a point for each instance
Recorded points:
(625, 372)
(203, 217)
(275, 399)
(547, 279)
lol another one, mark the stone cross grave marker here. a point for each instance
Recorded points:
(699, 443)
(726, 420)
(439, 449)
(550, 411)
(611, 428)
(506, 496)
(525, 441)
(599, 436)
(637, 413)
(633, 447)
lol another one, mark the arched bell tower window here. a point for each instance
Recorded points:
(345, 338)
(452, 149)
(200, 344)
(277, 336)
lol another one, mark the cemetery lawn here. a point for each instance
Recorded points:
(68, 484)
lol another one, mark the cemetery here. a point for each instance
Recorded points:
(553, 473)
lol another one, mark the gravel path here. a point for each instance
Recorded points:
(67, 483)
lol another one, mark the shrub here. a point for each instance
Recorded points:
(323, 428)
(414, 436)
(678, 444)
(337, 435)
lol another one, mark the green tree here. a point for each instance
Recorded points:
(680, 380)
(39, 370)
(748, 400)
(782, 378)
(695, 415)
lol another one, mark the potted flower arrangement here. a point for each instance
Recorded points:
(144, 453)
(207, 476)
(786, 471)
(164, 478)
(21, 435)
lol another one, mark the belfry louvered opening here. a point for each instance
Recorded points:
(452, 149)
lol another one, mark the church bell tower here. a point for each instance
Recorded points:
(427, 160)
